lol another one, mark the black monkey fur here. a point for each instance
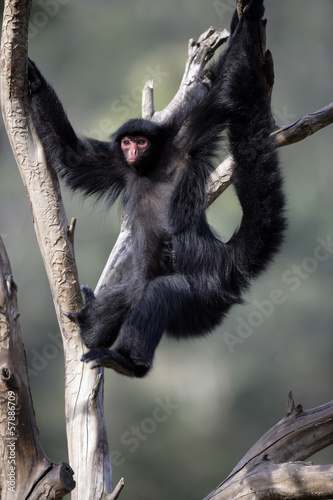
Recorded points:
(183, 279)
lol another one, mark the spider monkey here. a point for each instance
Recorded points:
(183, 279)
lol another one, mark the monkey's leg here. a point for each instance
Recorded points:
(174, 303)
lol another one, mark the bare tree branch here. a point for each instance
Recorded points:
(194, 86)
(272, 467)
(304, 127)
(220, 179)
(116, 491)
(285, 136)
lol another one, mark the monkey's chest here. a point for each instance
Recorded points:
(148, 204)
(152, 244)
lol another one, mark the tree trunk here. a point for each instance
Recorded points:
(25, 469)
(85, 425)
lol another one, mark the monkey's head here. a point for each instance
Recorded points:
(140, 142)
(134, 148)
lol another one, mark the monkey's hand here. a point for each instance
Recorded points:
(81, 318)
(36, 79)
(94, 332)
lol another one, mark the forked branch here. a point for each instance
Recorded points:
(194, 85)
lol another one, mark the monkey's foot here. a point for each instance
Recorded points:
(102, 356)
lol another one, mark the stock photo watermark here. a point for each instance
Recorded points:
(293, 278)
(224, 9)
(41, 18)
(10, 442)
(38, 360)
(125, 104)
(137, 434)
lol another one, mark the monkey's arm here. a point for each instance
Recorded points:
(86, 164)
(257, 177)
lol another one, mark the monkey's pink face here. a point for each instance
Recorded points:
(134, 147)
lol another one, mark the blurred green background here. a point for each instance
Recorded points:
(213, 397)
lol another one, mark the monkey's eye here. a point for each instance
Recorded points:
(126, 142)
(142, 141)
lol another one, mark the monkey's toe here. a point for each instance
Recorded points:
(88, 293)
(72, 316)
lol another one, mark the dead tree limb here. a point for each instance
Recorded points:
(194, 86)
(221, 178)
(86, 432)
(25, 469)
(304, 127)
(274, 467)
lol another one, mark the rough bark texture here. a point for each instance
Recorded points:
(25, 469)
